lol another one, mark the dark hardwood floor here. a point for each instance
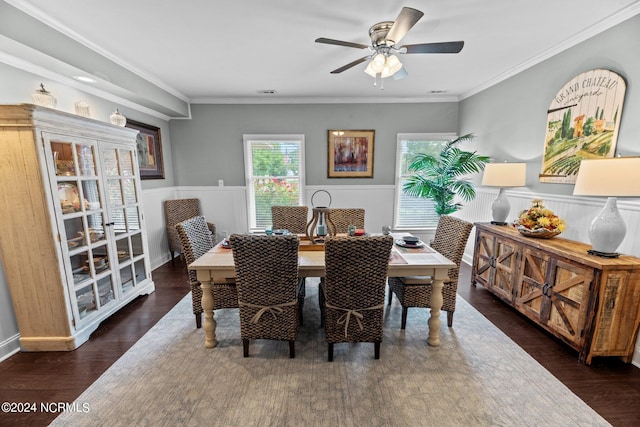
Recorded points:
(610, 387)
(53, 377)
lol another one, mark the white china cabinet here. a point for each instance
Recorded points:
(72, 235)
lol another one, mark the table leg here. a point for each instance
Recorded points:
(436, 305)
(209, 325)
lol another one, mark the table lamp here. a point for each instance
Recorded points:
(503, 175)
(610, 177)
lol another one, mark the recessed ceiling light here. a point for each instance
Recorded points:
(85, 79)
(437, 91)
(268, 91)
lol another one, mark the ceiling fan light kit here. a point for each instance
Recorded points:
(383, 65)
(384, 37)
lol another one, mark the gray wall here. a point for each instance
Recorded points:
(510, 117)
(209, 147)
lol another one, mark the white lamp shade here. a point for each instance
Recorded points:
(391, 66)
(613, 177)
(370, 69)
(505, 175)
(376, 65)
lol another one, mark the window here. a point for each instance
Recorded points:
(274, 171)
(414, 213)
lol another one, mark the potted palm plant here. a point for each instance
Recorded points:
(442, 177)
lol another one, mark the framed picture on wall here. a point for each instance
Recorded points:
(149, 150)
(350, 154)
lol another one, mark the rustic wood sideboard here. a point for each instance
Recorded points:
(589, 302)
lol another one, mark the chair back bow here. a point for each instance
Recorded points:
(274, 310)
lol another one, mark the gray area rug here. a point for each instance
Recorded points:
(477, 377)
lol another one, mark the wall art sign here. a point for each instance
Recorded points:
(582, 123)
(350, 154)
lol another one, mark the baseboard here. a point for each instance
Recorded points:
(9, 347)
(159, 261)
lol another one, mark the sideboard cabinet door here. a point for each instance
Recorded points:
(495, 264)
(554, 293)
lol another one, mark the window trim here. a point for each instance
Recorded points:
(426, 136)
(247, 139)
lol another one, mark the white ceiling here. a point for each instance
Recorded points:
(212, 51)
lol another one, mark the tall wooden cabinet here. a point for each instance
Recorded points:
(72, 236)
(589, 302)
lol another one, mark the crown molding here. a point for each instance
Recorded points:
(607, 23)
(324, 100)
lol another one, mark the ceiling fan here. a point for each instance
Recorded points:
(384, 39)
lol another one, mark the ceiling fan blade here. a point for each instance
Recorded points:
(351, 64)
(444, 47)
(341, 43)
(406, 19)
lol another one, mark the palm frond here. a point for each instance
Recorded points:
(439, 178)
(422, 161)
(464, 189)
(463, 138)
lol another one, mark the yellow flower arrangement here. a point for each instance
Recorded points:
(539, 219)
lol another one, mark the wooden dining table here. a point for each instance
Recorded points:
(217, 265)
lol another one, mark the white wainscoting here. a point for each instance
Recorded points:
(578, 212)
(377, 201)
(226, 207)
(155, 221)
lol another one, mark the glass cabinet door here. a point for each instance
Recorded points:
(125, 216)
(77, 191)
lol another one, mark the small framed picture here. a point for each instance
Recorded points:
(149, 150)
(350, 153)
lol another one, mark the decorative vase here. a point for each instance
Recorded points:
(44, 98)
(117, 119)
(82, 109)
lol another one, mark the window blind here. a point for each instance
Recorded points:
(414, 213)
(274, 172)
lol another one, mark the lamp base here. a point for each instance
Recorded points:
(500, 208)
(603, 254)
(607, 230)
(499, 223)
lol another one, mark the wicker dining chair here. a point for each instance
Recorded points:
(450, 240)
(292, 218)
(196, 241)
(342, 218)
(178, 210)
(267, 279)
(352, 294)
